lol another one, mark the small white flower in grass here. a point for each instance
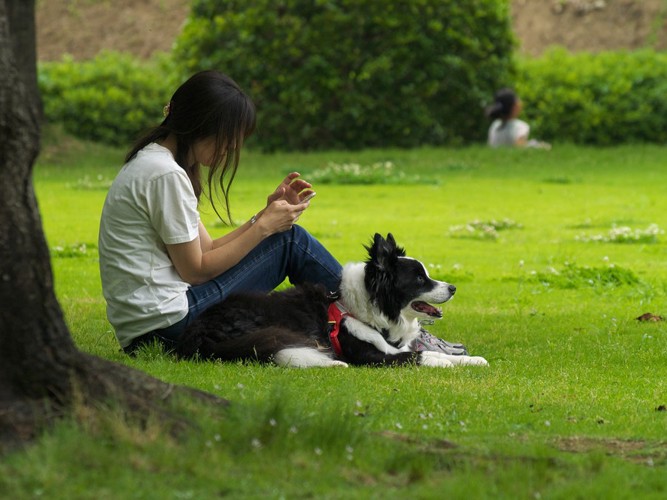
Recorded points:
(547, 423)
(216, 387)
(293, 430)
(272, 422)
(318, 451)
(256, 443)
(217, 437)
(240, 386)
(398, 425)
(349, 449)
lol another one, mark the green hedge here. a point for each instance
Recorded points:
(110, 98)
(356, 73)
(601, 99)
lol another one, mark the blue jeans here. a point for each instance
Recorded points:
(293, 254)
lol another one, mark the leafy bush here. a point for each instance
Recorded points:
(602, 99)
(110, 98)
(356, 73)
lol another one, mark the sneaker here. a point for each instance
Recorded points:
(428, 342)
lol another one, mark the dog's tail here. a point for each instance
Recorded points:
(260, 345)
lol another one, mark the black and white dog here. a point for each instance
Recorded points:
(372, 321)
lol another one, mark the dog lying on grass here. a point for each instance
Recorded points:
(373, 319)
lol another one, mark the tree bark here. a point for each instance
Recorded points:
(42, 374)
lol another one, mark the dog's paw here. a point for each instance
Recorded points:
(335, 362)
(430, 358)
(473, 361)
(305, 357)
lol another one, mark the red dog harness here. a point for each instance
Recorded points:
(335, 318)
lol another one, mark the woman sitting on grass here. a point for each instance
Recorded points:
(159, 266)
(506, 128)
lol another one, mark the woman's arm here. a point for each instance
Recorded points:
(207, 243)
(522, 130)
(203, 258)
(292, 189)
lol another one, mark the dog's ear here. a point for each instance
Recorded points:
(384, 252)
(380, 274)
(379, 251)
(400, 251)
(374, 247)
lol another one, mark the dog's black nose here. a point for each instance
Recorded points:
(452, 289)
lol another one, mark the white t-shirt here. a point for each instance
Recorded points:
(507, 134)
(151, 202)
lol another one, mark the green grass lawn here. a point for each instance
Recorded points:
(554, 255)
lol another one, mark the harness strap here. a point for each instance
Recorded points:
(335, 317)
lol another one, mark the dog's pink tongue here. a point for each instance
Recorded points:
(428, 309)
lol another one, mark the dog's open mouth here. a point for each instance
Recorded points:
(425, 308)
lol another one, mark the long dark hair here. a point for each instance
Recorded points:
(503, 103)
(208, 104)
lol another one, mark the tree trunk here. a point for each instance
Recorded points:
(42, 373)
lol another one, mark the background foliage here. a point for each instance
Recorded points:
(110, 98)
(347, 74)
(602, 99)
(352, 73)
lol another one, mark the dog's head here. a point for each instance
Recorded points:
(400, 285)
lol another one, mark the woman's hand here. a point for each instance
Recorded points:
(292, 189)
(279, 216)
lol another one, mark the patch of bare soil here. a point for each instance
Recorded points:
(636, 451)
(82, 28)
(589, 25)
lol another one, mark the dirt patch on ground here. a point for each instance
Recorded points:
(82, 28)
(636, 451)
(590, 25)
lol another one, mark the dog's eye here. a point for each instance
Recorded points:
(421, 280)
